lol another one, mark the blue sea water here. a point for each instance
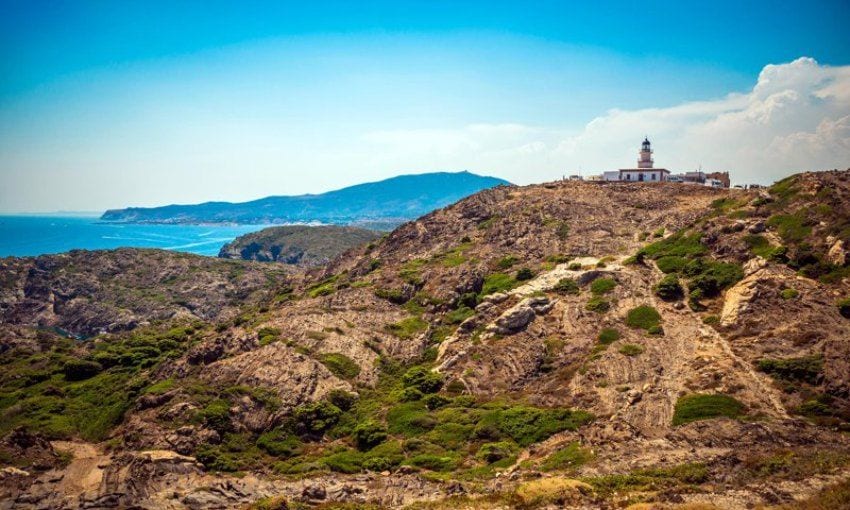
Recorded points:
(37, 235)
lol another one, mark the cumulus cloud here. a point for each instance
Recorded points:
(795, 118)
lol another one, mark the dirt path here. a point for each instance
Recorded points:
(84, 474)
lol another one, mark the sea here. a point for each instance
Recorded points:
(22, 236)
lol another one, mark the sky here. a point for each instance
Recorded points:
(114, 104)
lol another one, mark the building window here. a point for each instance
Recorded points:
(653, 177)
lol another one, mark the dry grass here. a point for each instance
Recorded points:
(551, 491)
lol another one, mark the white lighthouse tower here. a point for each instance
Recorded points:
(645, 155)
(645, 171)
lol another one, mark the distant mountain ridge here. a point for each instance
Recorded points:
(396, 199)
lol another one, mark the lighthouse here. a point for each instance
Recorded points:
(645, 154)
(645, 171)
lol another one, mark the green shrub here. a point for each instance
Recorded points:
(325, 289)
(214, 459)
(342, 399)
(818, 407)
(608, 336)
(317, 417)
(280, 443)
(410, 395)
(447, 462)
(345, 461)
(369, 434)
(759, 245)
(408, 328)
(268, 335)
(340, 365)
(527, 425)
(506, 262)
(680, 244)
(411, 271)
(80, 369)
(643, 317)
(459, 315)
(574, 266)
(711, 320)
(435, 401)
(216, 415)
(410, 419)
(671, 263)
(597, 304)
(426, 381)
(631, 350)
(669, 288)
(449, 435)
(844, 308)
(566, 286)
(789, 293)
(494, 452)
(396, 296)
(384, 456)
(807, 369)
(570, 457)
(601, 286)
(160, 387)
(524, 274)
(497, 282)
(656, 330)
(699, 406)
(710, 277)
(791, 227)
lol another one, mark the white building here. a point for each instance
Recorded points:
(645, 171)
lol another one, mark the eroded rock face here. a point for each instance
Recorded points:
(294, 377)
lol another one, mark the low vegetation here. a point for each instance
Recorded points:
(83, 390)
(340, 365)
(684, 254)
(567, 458)
(602, 286)
(698, 406)
(608, 336)
(597, 304)
(669, 288)
(807, 369)
(566, 286)
(630, 350)
(643, 317)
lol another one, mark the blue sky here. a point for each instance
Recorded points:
(106, 104)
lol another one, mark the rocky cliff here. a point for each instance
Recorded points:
(566, 345)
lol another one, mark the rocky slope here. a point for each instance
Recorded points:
(301, 245)
(580, 345)
(83, 293)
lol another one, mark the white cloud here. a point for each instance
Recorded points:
(795, 118)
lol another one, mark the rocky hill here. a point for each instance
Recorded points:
(391, 201)
(566, 345)
(300, 245)
(84, 293)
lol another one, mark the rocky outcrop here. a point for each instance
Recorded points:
(300, 245)
(294, 377)
(519, 316)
